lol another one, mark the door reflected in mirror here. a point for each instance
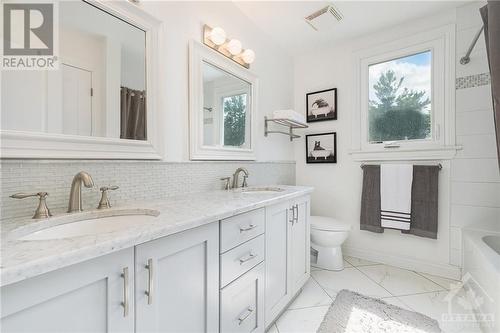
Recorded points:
(99, 89)
(226, 109)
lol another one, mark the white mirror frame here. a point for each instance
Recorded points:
(198, 54)
(25, 144)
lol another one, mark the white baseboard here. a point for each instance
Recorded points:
(444, 270)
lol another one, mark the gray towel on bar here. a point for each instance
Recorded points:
(370, 199)
(424, 206)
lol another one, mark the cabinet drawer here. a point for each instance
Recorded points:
(240, 228)
(242, 303)
(237, 261)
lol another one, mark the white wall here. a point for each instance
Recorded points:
(338, 186)
(475, 179)
(184, 21)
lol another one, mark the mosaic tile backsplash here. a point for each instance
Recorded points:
(138, 180)
(472, 81)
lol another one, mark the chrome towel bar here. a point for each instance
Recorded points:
(362, 165)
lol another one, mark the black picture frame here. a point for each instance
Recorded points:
(316, 110)
(326, 146)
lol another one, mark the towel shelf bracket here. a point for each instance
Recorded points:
(290, 123)
(439, 166)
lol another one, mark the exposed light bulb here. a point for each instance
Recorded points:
(234, 46)
(248, 56)
(218, 36)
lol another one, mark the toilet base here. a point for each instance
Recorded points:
(329, 258)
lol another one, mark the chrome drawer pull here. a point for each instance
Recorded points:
(242, 318)
(149, 292)
(250, 227)
(296, 216)
(125, 302)
(250, 257)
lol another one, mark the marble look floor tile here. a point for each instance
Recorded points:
(301, 320)
(272, 329)
(357, 262)
(397, 302)
(442, 281)
(399, 281)
(312, 295)
(351, 279)
(437, 306)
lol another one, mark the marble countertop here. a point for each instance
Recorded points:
(24, 259)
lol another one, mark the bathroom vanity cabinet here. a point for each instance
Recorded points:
(233, 275)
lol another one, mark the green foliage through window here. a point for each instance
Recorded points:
(397, 112)
(234, 120)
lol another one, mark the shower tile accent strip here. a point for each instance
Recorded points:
(472, 81)
(138, 180)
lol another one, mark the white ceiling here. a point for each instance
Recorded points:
(284, 21)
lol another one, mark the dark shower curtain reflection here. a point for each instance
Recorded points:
(133, 114)
(491, 18)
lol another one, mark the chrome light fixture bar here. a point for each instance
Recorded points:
(215, 38)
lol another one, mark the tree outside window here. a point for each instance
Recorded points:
(234, 108)
(400, 99)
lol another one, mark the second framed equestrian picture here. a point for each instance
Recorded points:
(321, 105)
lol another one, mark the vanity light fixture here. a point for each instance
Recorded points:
(215, 38)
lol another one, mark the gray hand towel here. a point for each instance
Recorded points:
(370, 199)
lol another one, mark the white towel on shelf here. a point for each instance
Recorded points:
(289, 114)
(395, 195)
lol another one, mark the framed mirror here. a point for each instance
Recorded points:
(223, 99)
(98, 102)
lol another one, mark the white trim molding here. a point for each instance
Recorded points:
(199, 54)
(24, 144)
(441, 145)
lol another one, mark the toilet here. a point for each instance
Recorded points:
(327, 235)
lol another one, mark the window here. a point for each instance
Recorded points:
(404, 98)
(234, 110)
(400, 99)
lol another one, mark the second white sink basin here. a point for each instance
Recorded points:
(89, 227)
(261, 190)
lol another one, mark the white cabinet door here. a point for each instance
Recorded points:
(177, 282)
(278, 288)
(300, 244)
(242, 303)
(86, 297)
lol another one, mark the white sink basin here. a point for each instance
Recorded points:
(261, 190)
(89, 227)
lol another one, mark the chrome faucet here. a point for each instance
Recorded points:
(236, 175)
(75, 195)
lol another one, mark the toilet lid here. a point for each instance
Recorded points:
(328, 223)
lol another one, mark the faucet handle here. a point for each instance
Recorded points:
(109, 188)
(245, 183)
(226, 183)
(42, 211)
(104, 202)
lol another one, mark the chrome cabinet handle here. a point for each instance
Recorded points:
(296, 213)
(250, 257)
(292, 211)
(250, 227)
(149, 291)
(126, 295)
(247, 314)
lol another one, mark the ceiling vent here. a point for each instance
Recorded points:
(318, 20)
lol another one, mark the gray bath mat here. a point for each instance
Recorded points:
(354, 313)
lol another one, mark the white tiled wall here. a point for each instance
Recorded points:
(138, 180)
(475, 179)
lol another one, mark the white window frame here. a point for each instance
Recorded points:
(441, 145)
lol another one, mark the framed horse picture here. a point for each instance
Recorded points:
(321, 148)
(321, 105)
